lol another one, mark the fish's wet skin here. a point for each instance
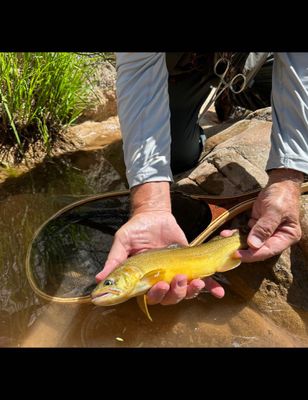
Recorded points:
(139, 273)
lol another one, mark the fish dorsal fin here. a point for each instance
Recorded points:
(142, 303)
(154, 276)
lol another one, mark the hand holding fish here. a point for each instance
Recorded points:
(275, 221)
(139, 273)
(151, 226)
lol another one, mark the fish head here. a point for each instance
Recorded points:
(117, 287)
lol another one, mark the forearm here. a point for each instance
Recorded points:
(289, 138)
(143, 106)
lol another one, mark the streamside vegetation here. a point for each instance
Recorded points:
(42, 93)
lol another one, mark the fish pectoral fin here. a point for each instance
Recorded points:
(142, 303)
(153, 276)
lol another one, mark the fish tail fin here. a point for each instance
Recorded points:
(232, 263)
(142, 303)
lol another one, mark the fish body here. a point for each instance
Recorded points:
(140, 272)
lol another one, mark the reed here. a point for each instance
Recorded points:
(41, 93)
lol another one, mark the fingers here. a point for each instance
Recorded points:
(272, 247)
(255, 255)
(109, 266)
(227, 232)
(165, 294)
(116, 256)
(176, 293)
(262, 229)
(194, 288)
(157, 293)
(214, 288)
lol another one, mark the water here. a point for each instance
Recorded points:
(27, 201)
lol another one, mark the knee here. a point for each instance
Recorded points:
(185, 155)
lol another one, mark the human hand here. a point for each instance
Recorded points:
(154, 226)
(274, 220)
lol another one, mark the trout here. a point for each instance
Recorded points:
(139, 273)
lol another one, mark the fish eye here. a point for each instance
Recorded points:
(108, 282)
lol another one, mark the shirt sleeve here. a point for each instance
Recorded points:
(144, 114)
(289, 137)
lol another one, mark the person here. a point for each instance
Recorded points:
(159, 98)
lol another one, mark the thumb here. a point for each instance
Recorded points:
(262, 230)
(116, 256)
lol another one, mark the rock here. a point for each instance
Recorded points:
(211, 181)
(97, 134)
(252, 143)
(228, 132)
(104, 108)
(104, 94)
(102, 177)
(114, 154)
(233, 161)
(243, 174)
(105, 76)
(304, 224)
(264, 114)
(105, 138)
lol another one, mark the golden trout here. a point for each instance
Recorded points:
(140, 272)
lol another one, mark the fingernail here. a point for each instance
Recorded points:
(98, 277)
(182, 283)
(218, 292)
(255, 242)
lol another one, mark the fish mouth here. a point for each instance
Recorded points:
(110, 292)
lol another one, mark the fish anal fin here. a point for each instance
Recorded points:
(142, 303)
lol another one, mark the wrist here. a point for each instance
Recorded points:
(285, 174)
(150, 196)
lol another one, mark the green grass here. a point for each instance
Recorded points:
(40, 93)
